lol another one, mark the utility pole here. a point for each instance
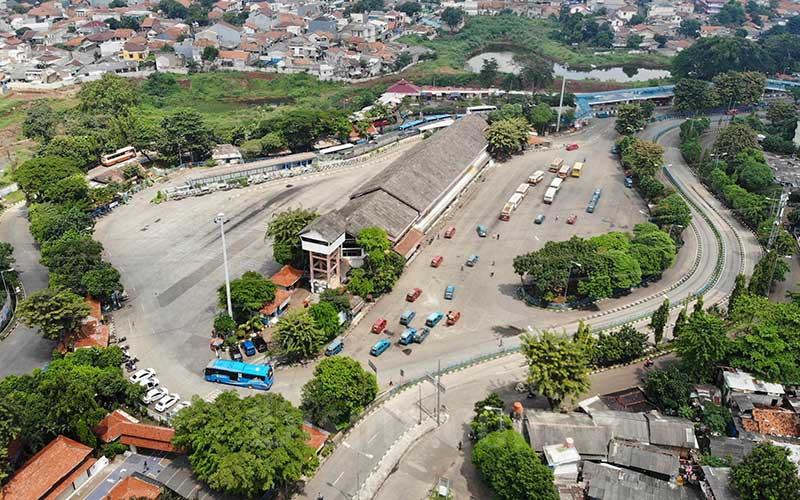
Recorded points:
(561, 101)
(220, 219)
(438, 391)
(420, 403)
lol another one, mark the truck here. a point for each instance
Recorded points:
(556, 183)
(555, 165)
(550, 195)
(536, 177)
(564, 171)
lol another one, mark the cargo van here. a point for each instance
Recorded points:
(334, 348)
(536, 177)
(434, 319)
(556, 183)
(564, 171)
(522, 189)
(555, 165)
(406, 317)
(550, 195)
(407, 336)
(449, 292)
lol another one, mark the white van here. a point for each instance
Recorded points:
(536, 177)
(556, 183)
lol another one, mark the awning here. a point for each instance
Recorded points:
(409, 243)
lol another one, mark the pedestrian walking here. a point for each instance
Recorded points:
(462, 268)
(459, 446)
(491, 274)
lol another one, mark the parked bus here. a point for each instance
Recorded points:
(577, 168)
(510, 206)
(556, 183)
(550, 195)
(341, 148)
(480, 109)
(555, 165)
(523, 189)
(564, 171)
(224, 371)
(118, 156)
(536, 177)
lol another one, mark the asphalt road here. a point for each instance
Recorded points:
(23, 350)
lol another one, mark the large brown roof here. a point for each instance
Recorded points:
(46, 470)
(287, 276)
(120, 425)
(133, 487)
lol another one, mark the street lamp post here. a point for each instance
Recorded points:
(569, 277)
(220, 219)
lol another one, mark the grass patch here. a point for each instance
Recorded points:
(14, 197)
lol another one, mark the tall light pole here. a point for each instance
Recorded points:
(220, 219)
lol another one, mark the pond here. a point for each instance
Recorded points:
(506, 64)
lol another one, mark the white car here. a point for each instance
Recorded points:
(142, 374)
(149, 383)
(180, 406)
(167, 402)
(154, 395)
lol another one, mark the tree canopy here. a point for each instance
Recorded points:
(339, 391)
(708, 57)
(702, 345)
(184, 136)
(284, 230)
(54, 312)
(249, 293)
(245, 446)
(298, 335)
(37, 175)
(507, 137)
(643, 158)
(766, 473)
(630, 119)
(557, 367)
(111, 94)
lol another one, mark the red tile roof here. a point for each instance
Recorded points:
(403, 87)
(281, 296)
(120, 425)
(287, 276)
(317, 438)
(133, 487)
(409, 242)
(46, 470)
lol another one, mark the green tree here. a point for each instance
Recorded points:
(766, 473)
(326, 318)
(69, 258)
(245, 447)
(102, 281)
(360, 283)
(536, 73)
(782, 115)
(110, 95)
(583, 336)
(409, 8)
(623, 269)
(621, 346)
(661, 40)
(50, 221)
(669, 388)
(83, 150)
(249, 293)
(672, 210)
(633, 41)
(643, 158)
(740, 88)
(224, 325)
(714, 55)
(680, 323)
(735, 139)
(284, 230)
(650, 188)
(752, 171)
(653, 249)
(511, 468)
(717, 418)
(37, 175)
(694, 95)
(506, 137)
(702, 345)
(557, 368)
(659, 320)
(374, 240)
(731, 14)
(40, 122)
(630, 119)
(541, 116)
(489, 416)
(690, 28)
(488, 72)
(53, 312)
(338, 393)
(337, 298)
(184, 133)
(739, 289)
(210, 53)
(72, 189)
(172, 9)
(298, 335)
(452, 17)
(769, 269)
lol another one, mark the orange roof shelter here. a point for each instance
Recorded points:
(133, 487)
(120, 425)
(287, 277)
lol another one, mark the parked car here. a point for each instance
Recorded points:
(407, 316)
(453, 317)
(178, 407)
(572, 218)
(149, 383)
(379, 347)
(422, 335)
(591, 206)
(413, 294)
(481, 231)
(597, 194)
(449, 292)
(628, 182)
(437, 261)
(142, 374)
(434, 319)
(407, 336)
(539, 219)
(379, 325)
(472, 260)
(154, 395)
(234, 353)
(260, 343)
(450, 232)
(572, 147)
(334, 348)
(167, 402)
(249, 348)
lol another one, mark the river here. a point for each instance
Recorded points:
(506, 64)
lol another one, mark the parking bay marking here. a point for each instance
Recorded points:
(338, 477)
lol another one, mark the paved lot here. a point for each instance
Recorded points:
(170, 257)
(148, 464)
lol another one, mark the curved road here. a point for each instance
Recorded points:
(339, 477)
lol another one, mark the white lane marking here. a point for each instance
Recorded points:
(372, 438)
(338, 477)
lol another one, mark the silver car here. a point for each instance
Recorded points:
(154, 395)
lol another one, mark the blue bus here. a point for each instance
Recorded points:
(225, 371)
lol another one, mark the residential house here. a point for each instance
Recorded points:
(55, 472)
(626, 13)
(271, 310)
(716, 484)
(366, 32)
(92, 332)
(740, 382)
(547, 428)
(237, 59)
(660, 10)
(120, 426)
(732, 449)
(711, 7)
(226, 35)
(608, 482)
(135, 486)
(710, 30)
(611, 6)
(672, 432)
(134, 51)
(646, 458)
(287, 277)
(322, 23)
(563, 459)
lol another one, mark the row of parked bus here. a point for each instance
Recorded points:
(514, 201)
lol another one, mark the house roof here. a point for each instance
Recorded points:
(133, 487)
(120, 425)
(607, 482)
(287, 276)
(625, 425)
(330, 226)
(48, 469)
(545, 428)
(773, 421)
(317, 436)
(718, 481)
(737, 380)
(233, 54)
(731, 448)
(92, 333)
(403, 87)
(281, 296)
(643, 457)
(671, 431)
(409, 242)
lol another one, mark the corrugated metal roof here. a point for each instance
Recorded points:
(643, 457)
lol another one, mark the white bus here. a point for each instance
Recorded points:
(480, 109)
(341, 148)
(510, 206)
(523, 189)
(563, 172)
(536, 177)
(118, 156)
(555, 164)
(550, 195)
(556, 183)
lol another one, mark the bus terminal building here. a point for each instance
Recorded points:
(405, 200)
